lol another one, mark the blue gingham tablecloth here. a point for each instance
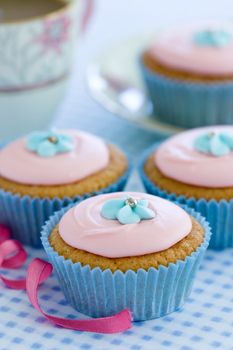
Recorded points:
(206, 320)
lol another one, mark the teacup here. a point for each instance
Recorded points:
(37, 45)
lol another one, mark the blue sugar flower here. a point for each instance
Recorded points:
(215, 38)
(48, 144)
(127, 210)
(215, 144)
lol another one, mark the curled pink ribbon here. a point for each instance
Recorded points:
(13, 256)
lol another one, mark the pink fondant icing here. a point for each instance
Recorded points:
(177, 159)
(84, 228)
(177, 49)
(89, 156)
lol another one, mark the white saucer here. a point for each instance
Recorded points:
(117, 67)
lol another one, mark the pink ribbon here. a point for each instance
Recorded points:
(13, 256)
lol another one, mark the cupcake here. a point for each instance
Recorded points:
(195, 168)
(188, 72)
(45, 171)
(126, 250)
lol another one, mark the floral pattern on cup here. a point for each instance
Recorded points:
(55, 34)
(39, 51)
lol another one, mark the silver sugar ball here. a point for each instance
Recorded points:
(53, 139)
(211, 134)
(131, 202)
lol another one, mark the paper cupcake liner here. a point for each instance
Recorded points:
(219, 214)
(26, 215)
(189, 104)
(148, 294)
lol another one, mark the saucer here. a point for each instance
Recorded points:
(114, 81)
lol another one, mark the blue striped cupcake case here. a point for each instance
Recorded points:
(188, 104)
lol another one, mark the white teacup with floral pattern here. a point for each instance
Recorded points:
(36, 56)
